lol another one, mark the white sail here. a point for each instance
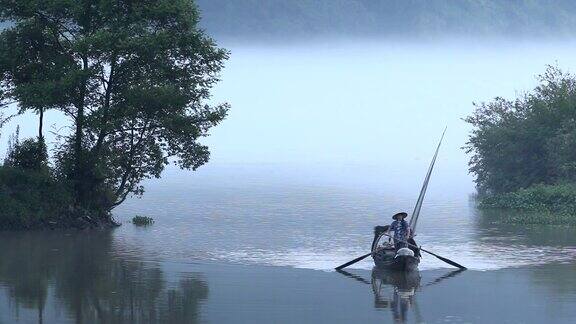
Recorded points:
(416, 212)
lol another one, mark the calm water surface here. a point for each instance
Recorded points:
(244, 251)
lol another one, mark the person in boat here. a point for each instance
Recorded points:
(401, 230)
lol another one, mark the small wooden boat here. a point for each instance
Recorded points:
(405, 259)
(386, 257)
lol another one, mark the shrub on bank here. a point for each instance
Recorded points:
(33, 195)
(31, 199)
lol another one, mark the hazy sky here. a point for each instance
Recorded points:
(369, 111)
(373, 105)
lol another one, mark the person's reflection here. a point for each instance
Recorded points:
(396, 291)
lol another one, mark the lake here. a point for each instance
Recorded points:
(323, 143)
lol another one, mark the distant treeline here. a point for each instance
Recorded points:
(243, 19)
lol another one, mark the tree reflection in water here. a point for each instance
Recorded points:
(83, 272)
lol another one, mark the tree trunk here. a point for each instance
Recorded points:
(79, 163)
(40, 125)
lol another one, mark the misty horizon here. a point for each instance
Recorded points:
(277, 21)
(357, 112)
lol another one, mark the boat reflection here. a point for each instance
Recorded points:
(397, 290)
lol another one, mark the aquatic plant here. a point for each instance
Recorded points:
(535, 218)
(142, 220)
(537, 205)
(559, 198)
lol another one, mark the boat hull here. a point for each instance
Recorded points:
(387, 259)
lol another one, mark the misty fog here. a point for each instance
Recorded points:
(366, 113)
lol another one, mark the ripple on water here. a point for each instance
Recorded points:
(320, 228)
(479, 257)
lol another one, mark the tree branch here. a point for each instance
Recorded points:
(106, 107)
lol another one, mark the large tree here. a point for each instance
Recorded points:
(133, 78)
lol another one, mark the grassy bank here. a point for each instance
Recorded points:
(539, 204)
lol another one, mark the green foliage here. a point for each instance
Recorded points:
(524, 152)
(301, 18)
(30, 154)
(142, 220)
(537, 205)
(529, 141)
(133, 78)
(29, 195)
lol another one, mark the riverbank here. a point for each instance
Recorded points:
(536, 205)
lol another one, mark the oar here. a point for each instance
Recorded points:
(340, 267)
(451, 274)
(434, 254)
(357, 277)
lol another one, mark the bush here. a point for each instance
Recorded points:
(31, 154)
(35, 196)
(31, 199)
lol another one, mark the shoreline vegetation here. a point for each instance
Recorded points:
(524, 152)
(33, 196)
(535, 205)
(132, 83)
